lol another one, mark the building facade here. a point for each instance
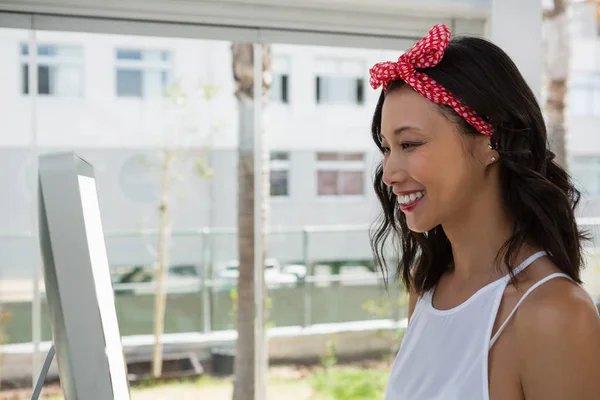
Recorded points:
(123, 102)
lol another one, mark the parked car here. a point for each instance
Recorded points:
(275, 275)
(140, 279)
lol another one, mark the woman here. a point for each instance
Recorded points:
(490, 250)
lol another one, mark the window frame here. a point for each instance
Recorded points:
(143, 66)
(279, 165)
(49, 61)
(358, 79)
(281, 70)
(343, 161)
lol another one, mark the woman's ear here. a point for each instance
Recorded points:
(484, 151)
(491, 154)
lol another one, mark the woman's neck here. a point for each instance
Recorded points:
(477, 236)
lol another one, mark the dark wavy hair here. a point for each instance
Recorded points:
(537, 192)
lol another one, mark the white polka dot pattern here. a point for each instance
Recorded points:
(427, 53)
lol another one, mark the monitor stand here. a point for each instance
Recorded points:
(43, 373)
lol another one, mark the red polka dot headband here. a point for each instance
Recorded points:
(427, 53)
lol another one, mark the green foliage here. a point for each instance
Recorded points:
(4, 319)
(329, 359)
(385, 308)
(202, 168)
(351, 383)
(347, 383)
(233, 294)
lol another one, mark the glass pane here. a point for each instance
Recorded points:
(338, 90)
(68, 80)
(353, 156)
(596, 101)
(18, 179)
(351, 182)
(327, 182)
(128, 54)
(193, 129)
(25, 78)
(333, 157)
(280, 155)
(327, 156)
(180, 147)
(129, 83)
(45, 50)
(578, 102)
(279, 183)
(45, 78)
(154, 84)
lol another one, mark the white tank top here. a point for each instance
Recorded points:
(444, 354)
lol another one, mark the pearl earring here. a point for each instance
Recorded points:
(493, 159)
(489, 146)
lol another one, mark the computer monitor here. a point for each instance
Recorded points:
(79, 291)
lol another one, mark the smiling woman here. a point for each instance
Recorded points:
(490, 248)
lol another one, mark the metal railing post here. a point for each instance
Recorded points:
(308, 279)
(206, 280)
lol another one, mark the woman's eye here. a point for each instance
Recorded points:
(385, 150)
(408, 145)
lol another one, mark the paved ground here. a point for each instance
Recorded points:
(286, 383)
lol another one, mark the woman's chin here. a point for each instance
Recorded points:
(418, 226)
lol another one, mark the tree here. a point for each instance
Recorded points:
(557, 57)
(243, 74)
(183, 116)
(4, 319)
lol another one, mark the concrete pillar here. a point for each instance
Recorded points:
(516, 26)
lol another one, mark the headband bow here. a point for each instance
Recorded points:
(426, 53)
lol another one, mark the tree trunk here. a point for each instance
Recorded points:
(557, 56)
(244, 358)
(160, 299)
(243, 72)
(555, 108)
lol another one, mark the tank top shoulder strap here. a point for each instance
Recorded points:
(528, 261)
(522, 299)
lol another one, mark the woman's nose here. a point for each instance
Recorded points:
(393, 171)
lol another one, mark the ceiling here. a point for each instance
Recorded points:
(256, 19)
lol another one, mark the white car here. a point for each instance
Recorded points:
(275, 276)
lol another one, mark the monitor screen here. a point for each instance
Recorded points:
(103, 284)
(81, 302)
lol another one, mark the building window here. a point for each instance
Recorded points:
(586, 173)
(281, 80)
(339, 82)
(280, 169)
(584, 93)
(340, 174)
(142, 74)
(60, 70)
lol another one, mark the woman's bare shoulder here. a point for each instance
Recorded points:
(558, 335)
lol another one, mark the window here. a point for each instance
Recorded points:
(60, 70)
(142, 74)
(340, 174)
(339, 82)
(584, 93)
(280, 174)
(586, 171)
(281, 80)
